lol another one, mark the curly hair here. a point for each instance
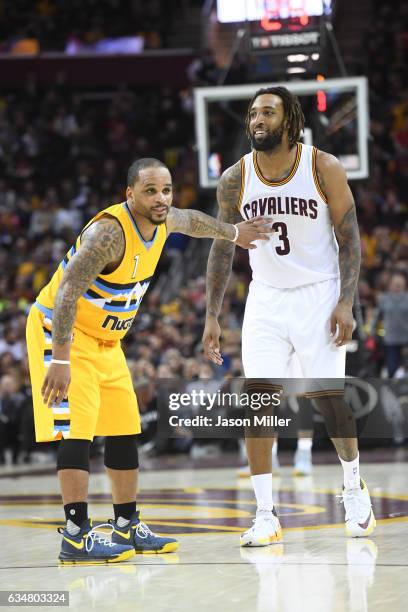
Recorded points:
(292, 110)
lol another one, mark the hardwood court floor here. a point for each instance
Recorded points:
(316, 568)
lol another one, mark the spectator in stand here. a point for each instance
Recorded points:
(61, 159)
(393, 308)
(27, 27)
(12, 410)
(13, 344)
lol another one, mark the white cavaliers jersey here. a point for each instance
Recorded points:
(303, 249)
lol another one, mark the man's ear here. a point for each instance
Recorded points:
(129, 193)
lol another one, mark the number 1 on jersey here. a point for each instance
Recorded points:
(283, 237)
(136, 258)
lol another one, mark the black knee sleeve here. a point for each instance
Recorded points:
(73, 455)
(305, 414)
(264, 401)
(121, 452)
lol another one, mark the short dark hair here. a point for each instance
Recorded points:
(141, 164)
(291, 107)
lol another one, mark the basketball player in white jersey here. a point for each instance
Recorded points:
(301, 296)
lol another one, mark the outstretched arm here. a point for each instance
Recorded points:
(333, 180)
(220, 261)
(102, 243)
(199, 225)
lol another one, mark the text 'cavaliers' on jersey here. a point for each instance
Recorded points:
(107, 309)
(303, 248)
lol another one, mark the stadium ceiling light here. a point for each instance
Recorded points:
(295, 70)
(299, 57)
(315, 56)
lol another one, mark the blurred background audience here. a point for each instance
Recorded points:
(64, 156)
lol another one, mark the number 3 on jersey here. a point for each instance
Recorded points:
(282, 228)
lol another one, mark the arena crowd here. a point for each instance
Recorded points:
(63, 157)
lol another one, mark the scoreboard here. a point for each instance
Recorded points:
(257, 10)
(279, 26)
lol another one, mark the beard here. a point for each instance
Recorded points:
(269, 142)
(157, 221)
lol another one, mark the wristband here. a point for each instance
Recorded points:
(60, 361)
(236, 234)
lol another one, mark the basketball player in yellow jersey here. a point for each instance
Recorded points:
(301, 296)
(81, 384)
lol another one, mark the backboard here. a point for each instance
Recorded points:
(337, 121)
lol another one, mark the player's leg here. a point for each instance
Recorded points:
(323, 364)
(303, 456)
(296, 387)
(72, 422)
(122, 463)
(81, 541)
(245, 470)
(265, 356)
(259, 440)
(119, 421)
(341, 426)
(73, 476)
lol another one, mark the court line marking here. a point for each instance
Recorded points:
(398, 496)
(218, 563)
(225, 530)
(191, 504)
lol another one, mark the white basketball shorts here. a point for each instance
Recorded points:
(282, 326)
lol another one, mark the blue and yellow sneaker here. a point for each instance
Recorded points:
(142, 538)
(90, 547)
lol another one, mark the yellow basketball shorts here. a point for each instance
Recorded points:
(101, 399)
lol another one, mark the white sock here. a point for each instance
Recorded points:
(122, 522)
(351, 471)
(72, 528)
(304, 444)
(262, 484)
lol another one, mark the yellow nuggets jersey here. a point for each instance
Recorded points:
(108, 307)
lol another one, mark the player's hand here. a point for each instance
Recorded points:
(56, 383)
(211, 340)
(257, 228)
(342, 320)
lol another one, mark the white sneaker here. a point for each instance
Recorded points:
(265, 530)
(303, 463)
(360, 519)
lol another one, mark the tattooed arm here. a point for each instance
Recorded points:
(220, 261)
(103, 243)
(333, 182)
(199, 225)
